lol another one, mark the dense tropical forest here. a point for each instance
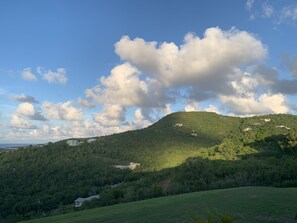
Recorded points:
(183, 152)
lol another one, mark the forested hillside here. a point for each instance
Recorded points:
(182, 152)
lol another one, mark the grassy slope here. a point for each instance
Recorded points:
(249, 204)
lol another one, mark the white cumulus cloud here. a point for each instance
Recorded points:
(125, 87)
(112, 115)
(247, 101)
(139, 120)
(198, 59)
(212, 108)
(86, 103)
(27, 109)
(58, 76)
(193, 106)
(62, 111)
(18, 121)
(28, 75)
(253, 105)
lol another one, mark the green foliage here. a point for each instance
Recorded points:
(247, 203)
(223, 152)
(51, 175)
(221, 218)
(227, 218)
(292, 139)
(198, 219)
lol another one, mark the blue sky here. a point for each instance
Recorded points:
(87, 68)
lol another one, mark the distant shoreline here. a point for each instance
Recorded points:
(13, 145)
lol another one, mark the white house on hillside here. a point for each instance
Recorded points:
(122, 167)
(91, 140)
(79, 201)
(72, 142)
(178, 125)
(133, 165)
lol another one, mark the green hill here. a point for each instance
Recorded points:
(165, 144)
(248, 204)
(183, 152)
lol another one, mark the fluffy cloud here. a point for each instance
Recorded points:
(167, 110)
(25, 98)
(86, 103)
(124, 87)
(27, 109)
(221, 66)
(212, 108)
(245, 85)
(246, 100)
(18, 121)
(59, 76)
(253, 105)
(193, 106)
(139, 120)
(112, 115)
(198, 60)
(28, 75)
(152, 74)
(62, 111)
(51, 132)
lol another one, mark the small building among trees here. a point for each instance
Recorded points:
(72, 142)
(79, 201)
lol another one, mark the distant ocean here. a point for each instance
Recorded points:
(12, 146)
